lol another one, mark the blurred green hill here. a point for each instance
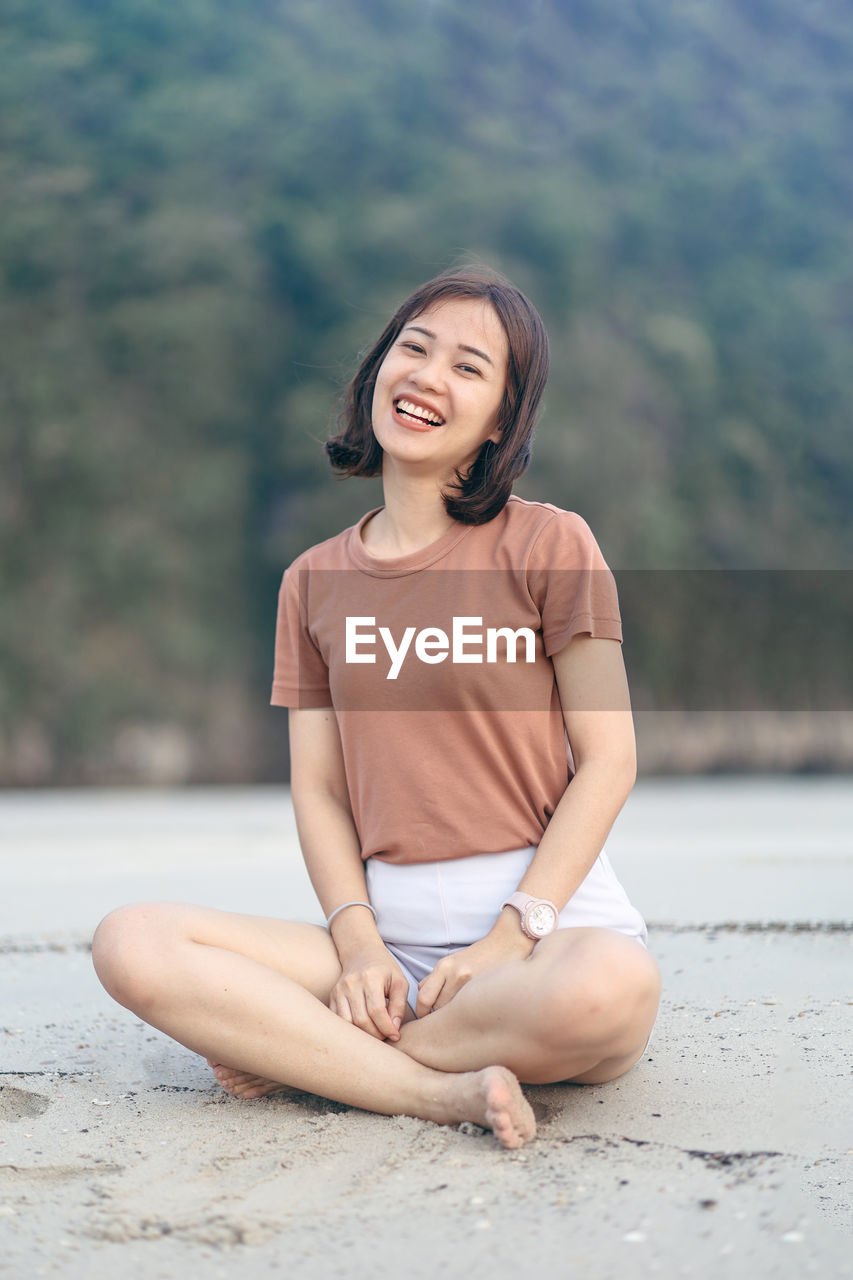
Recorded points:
(208, 209)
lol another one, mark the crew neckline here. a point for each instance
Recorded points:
(394, 566)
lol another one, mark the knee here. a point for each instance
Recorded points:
(129, 951)
(609, 996)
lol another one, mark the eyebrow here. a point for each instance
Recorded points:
(475, 351)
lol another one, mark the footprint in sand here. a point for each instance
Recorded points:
(19, 1104)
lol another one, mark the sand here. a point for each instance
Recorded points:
(727, 1151)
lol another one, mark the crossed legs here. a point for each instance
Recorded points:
(580, 1008)
(253, 993)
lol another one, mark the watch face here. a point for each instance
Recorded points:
(541, 919)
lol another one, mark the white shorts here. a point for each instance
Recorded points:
(426, 910)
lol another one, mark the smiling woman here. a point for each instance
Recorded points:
(437, 399)
(511, 356)
(476, 934)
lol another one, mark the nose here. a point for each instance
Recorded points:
(430, 374)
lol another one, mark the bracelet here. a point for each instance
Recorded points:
(344, 906)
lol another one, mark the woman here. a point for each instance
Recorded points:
(476, 935)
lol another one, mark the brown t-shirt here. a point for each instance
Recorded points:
(438, 665)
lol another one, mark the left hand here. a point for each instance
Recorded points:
(452, 972)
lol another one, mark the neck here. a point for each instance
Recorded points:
(414, 515)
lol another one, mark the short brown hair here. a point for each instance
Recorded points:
(482, 493)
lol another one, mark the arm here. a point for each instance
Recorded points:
(590, 676)
(372, 989)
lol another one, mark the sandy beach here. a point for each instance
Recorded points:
(727, 1151)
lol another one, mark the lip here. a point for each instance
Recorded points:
(422, 404)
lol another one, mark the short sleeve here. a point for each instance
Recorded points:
(568, 578)
(301, 677)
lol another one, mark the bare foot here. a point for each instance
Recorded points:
(242, 1084)
(493, 1098)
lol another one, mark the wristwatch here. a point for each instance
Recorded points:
(538, 915)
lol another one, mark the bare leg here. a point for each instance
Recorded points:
(581, 1007)
(582, 1012)
(182, 970)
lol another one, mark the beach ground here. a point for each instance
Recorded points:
(727, 1151)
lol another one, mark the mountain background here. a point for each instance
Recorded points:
(209, 209)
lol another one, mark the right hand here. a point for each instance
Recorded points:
(372, 993)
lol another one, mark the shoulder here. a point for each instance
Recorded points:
(548, 529)
(331, 553)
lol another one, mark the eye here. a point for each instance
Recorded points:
(470, 368)
(413, 346)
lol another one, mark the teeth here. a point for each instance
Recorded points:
(417, 411)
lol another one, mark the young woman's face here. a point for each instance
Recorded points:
(439, 389)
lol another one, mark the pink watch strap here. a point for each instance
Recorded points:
(524, 903)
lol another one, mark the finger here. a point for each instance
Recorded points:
(398, 1000)
(358, 1009)
(377, 1000)
(446, 994)
(342, 1009)
(362, 1016)
(381, 1018)
(428, 990)
(453, 984)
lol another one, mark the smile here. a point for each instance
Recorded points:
(417, 413)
